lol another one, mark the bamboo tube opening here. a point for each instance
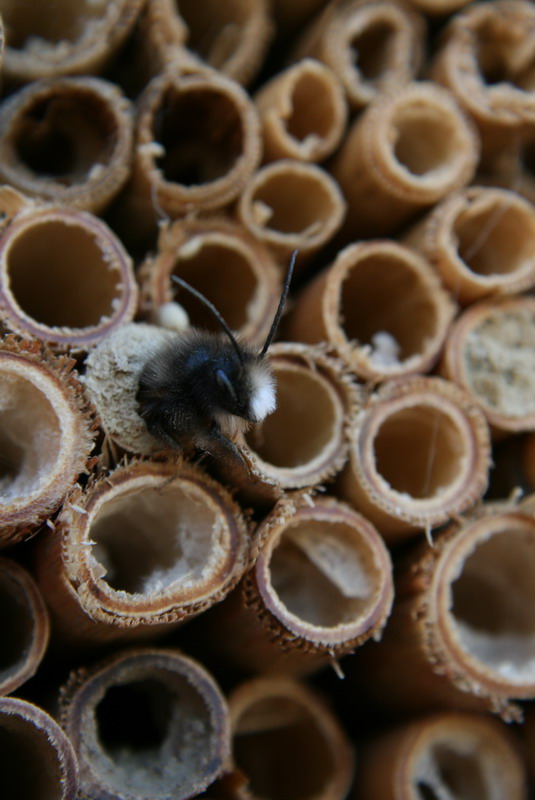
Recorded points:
(67, 23)
(313, 107)
(424, 138)
(16, 624)
(215, 30)
(497, 54)
(372, 49)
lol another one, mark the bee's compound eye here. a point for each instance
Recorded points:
(224, 383)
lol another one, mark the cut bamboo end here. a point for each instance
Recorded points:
(438, 754)
(37, 758)
(46, 435)
(372, 47)
(24, 625)
(404, 153)
(420, 453)
(65, 278)
(211, 255)
(489, 352)
(146, 723)
(148, 546)
(290, 205)
(482, 241)
(303, 113)
(67, 140)
(79, 37)
(380, 308)
(287, 742)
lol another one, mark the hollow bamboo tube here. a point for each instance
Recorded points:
(65, 278)
(145, 724)
(46, 435)
(379, 306)
(151, 544)
(486, 60)
(482, 242)
(461, 633)
(291, 17)
(419, 454)
(287, 742)
(24, 625)
(444, 755)
(37, 759)
(320, 587)
(303, 112)
(79, 36)
(490, 353)
(289, 205)
(67, 140)
(403, 154)
(439, 7)
(373, 48)
(211, 255)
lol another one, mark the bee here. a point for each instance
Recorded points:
(200, 391)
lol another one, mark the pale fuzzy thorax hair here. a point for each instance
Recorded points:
(263, 399)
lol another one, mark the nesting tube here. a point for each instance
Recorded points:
(303, 112)
(287, 742)
(46, 435)
(139, 551)
(419, 453)
(372, 47)
(24, 625)
(381, 309)
(37, 758)
(443, 755)
(145, 723)
(67, 140)
(403, 154)
(65, 278)
(482, 242)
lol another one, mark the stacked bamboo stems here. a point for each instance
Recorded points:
(172, 619)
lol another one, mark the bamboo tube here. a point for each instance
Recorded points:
(142, 549)
(78, 36)
(461, 633)
(24, 625)
(320, 587)
(37, 759)
(67, 140)
(65, 278)
(403, 154)
(145, 724)
(486, 60)
(482, 242)
(290, 17)
(287, 742)
(46, 435)
(289, 205)
(211, 255)
(446, 755)
(303, 112)
(380, 308)
(489, 352)
(373, 48)
(419, 454)
(439, 7)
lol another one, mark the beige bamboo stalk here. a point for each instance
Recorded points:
(482, 242)
(65, 278)
(290, 17)
(37, 758)
(443, 755)
(287, 742)
(67, 140)
(373, 47)
(406, 152)
(419, 454)
(139, 551)
(490, 353)
(380, 308)
(24, 625)
(145, 724)
(80, 36)
(46, 435)
(462, 631)
(303, 112)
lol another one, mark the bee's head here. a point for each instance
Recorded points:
(245, 389)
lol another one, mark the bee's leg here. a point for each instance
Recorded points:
(217, 444)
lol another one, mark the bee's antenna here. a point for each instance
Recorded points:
(210, 306)
(282, 301)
